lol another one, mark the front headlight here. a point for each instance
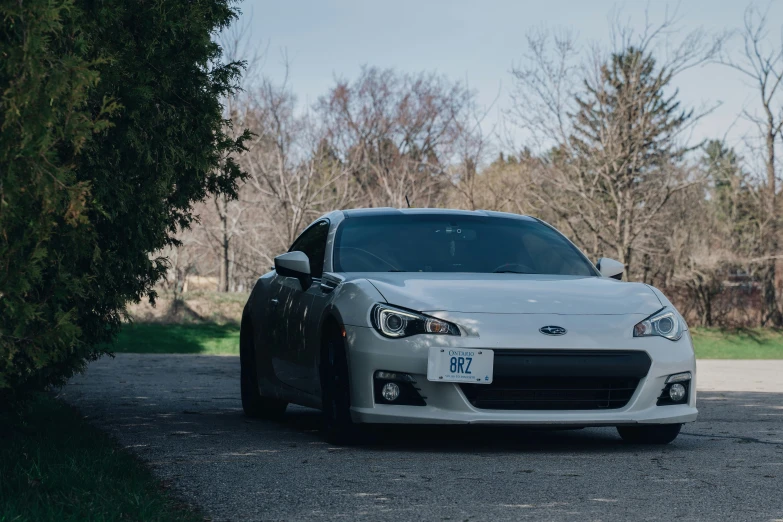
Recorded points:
(395, 322)
(664, 323)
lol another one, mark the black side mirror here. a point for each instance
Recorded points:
(295, 264)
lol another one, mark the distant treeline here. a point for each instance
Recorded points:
(608, 159)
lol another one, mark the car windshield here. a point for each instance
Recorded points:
(455, 243)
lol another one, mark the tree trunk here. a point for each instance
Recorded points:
(646, 269)
(225, 241)
(707, 319)
(772, 314)
(226, 263)
(627, 246)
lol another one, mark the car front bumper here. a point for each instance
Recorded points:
(446, 403)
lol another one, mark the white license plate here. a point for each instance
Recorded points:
(460, 365)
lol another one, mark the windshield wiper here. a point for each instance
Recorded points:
(510, 272)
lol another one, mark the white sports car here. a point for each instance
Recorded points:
(428, 316)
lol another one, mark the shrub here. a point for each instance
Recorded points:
(111, 127)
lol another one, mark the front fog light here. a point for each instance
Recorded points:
(391, 391)
(676, 392)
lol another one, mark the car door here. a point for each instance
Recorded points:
(290, 359)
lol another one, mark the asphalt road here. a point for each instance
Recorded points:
(182, 414)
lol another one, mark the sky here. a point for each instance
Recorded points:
(478, 42)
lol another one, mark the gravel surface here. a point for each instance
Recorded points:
(182, 414)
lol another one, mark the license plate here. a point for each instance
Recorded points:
(460, 365)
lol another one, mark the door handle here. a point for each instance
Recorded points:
(274, 301)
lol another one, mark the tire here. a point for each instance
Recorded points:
(651, 434)
(337, 426)
(253, 403)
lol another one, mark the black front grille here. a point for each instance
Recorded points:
(560, 380)
(551, 393)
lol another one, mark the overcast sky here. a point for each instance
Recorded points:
(478, 42)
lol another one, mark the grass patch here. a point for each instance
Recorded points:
(207, 338)
(55, 466)
(751, 343)
(214, 339)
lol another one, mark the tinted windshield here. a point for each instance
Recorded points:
(444, 243)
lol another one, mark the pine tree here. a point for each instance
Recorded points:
(625, 151)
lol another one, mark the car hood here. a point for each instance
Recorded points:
(515, 294)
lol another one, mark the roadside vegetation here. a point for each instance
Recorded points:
(105, 147)
(607, 153)
(207, 322)
(223, 339)
(746, 343)
(55, 466)
(205, 339)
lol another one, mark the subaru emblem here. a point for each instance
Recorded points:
(552, 330)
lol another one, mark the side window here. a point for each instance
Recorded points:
(313, 243)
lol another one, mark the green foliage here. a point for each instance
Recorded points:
(57, 467)
(198, 338)
(111, 127)
(745, 343)
(216, 339)
(627, 120)
(626, 154)
(732, 196)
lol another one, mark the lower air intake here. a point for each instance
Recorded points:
(560, 380)
(551, 393)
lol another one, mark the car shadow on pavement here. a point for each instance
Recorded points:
(764, 409)
(490, 439)
(455, 438)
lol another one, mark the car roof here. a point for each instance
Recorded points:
(389, 211)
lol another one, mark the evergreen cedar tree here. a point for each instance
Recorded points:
(111, 127)
(626, 128)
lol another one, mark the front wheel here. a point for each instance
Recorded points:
(337, 425)
(253, 403)
(650, 434)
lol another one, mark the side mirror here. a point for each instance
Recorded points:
(294, 264)
(610, 268)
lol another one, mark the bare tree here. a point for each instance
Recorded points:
(616, 144)
(396, 133)
(609, 159)
(473, 145)
(294, 175)
(762, 63)
(508, 184)
(222, 232)
(225, 225)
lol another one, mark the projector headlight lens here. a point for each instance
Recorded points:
(664, 323)
(393, 322)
